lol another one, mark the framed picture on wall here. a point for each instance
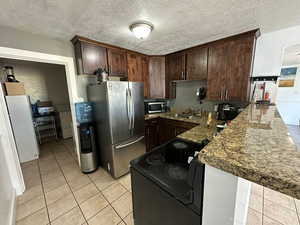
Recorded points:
(287, 76)
(288, 71)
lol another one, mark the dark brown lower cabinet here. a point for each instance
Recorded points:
(160, 130)
(151, 133)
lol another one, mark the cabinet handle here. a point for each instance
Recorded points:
(226, 94)
(182, 75)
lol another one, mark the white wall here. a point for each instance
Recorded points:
(288, 101)
(42, 81)
(6, 188)
(13, 38)
(268, 60)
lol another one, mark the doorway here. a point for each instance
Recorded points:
(288, 95)
(45, 98)
(10, 151)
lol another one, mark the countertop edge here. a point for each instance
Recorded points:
(264, 179)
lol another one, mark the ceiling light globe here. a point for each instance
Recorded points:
(141, 30)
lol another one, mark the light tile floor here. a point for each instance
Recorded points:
(268, 207)
(57, 193)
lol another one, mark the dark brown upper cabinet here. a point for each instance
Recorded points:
(138, 70)
(217, 69)
(230, 67)
(239, 69)
(89, 57)
(175, 70)
(157, 76)
(196, 64)
(117, 62)
(145, 75)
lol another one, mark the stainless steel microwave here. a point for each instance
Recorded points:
(155, 107)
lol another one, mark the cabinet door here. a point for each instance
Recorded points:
(175, 70)
(134, 67)
(157, 77)
(196, 64)
(239, 69)
(145, 75)
(217, 69)
(152, 137)
(117, 62)
(167, 131)
(180, 130)
(90, 57)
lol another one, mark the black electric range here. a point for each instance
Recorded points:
(167, 185)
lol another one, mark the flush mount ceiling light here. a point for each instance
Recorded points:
(141, 29)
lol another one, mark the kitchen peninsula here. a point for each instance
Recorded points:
(236, 156)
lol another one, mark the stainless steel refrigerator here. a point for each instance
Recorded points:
(119, 115)
(19, 109)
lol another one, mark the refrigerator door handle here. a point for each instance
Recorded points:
(130, 143)
(128, 108)
(132, 111)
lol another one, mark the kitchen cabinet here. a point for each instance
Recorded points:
(217, 68)
(157, 77)
(89, 57)
(169, 129)
(175, 70)
(229, 69)
(117, 62)
(160, 130)
(239, 69)
(196, 64)
(186, 65)
(145, 75)
(138, 70)
(151, 133)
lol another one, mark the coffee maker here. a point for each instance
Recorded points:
(227, 111)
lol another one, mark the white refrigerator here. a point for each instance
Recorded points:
(20, 113)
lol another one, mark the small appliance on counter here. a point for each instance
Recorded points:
(155, 106)
(170, 180)
(87, 143)
(227, 111)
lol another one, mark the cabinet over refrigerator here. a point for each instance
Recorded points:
(119, 116)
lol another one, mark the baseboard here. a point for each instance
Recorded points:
(13, 209)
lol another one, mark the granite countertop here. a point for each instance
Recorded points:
(172, 116)
(196, 134)
(257, 146)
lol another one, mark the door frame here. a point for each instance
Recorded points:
(11, 150)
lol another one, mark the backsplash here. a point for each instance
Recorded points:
(186, 98)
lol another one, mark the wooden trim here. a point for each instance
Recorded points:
(84, 39)
(255, 33)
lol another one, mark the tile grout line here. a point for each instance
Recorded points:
(109, 202)
(49, 222)
(70, 189)
(263, 205)
(297, 211)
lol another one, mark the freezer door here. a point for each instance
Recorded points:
(119, 111)
(19, 109)
(137, 100)
(124, 153)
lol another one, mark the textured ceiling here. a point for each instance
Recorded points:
(177, 24)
